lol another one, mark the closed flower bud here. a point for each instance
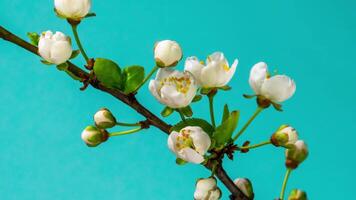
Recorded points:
(93, 136)
(104, 119)
(167, 53)
(70, 9)
(297, 195)
(245, 186)
(206, 189)
(285, 136)
(54, 48)
(296, 154)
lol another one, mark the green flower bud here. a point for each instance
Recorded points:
(285, 136)
(93, 136)
(297, 195)
(104, 119)
(245, 186)
(296, 154)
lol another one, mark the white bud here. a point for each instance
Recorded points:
(55, 48)
(167, 53)
(93, 136)
(285, 136)
(245, 186)
(206, 189)
(72, 9)
(296, 154)
(104, 119)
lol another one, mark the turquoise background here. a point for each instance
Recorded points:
(43, 112)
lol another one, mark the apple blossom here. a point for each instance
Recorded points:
(206, 189)
(216, 72)
(276, 88)
(93, 136)
(285, 136)
(245, 186)
(104, 119)
(167, 53)
(296, 154)
(72, 9)
(189, 144)
(173, 88)
(54, 48)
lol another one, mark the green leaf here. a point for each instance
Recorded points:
(75, 53)
(167, 111)
(133, 77)
(226, 113)
(108, 73)
(205, 91)
(197, 98)
(46, 62)
(90, 15)
(223, 132)
(194, 122)
(180, 161)
(187, 111)
(277, 106)
(225, 88)
(64, 67)
(34, 38)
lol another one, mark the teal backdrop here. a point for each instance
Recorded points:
(43, 112)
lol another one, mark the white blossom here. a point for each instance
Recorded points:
(167, 53)
(72, 9)
(54, 48)
(206, 189)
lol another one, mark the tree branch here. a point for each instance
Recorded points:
(131, 101)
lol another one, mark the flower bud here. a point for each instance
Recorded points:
(285, 136)
(74, 10)
(167, 53)
(54, 48)
(93, 136)
(245, 186)
(297, 195)
(104, 119)
(296, 154)
(206, 189)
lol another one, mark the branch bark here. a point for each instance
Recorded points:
(131, 101)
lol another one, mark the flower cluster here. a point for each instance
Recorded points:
(192, 140)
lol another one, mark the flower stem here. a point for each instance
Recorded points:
(125, 132)
(286, 176)
(76, 36)
(211, 107)
(258, 110)
(127, 124)
(181, 114)
(155, 68)
(256, 145)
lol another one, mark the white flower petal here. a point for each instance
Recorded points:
(172, 139)
(201, 140)
(258, 74)
(278, 88)
(193, 66)
(190, 155)
(60, 52)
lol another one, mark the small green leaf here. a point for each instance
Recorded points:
(180, 161)
(197, 98)
(46, 62)
(194, 122)
(226, 113)
(223, 132)
(75, 53)
(277, 106)
(187, 111)
(34, 38)
(108, 73)
(167, 111)
(225, 88)
(205, 91)
(90, 15)
(62, 67)
(133, 77)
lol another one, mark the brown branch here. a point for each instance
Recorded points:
(131, 101)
